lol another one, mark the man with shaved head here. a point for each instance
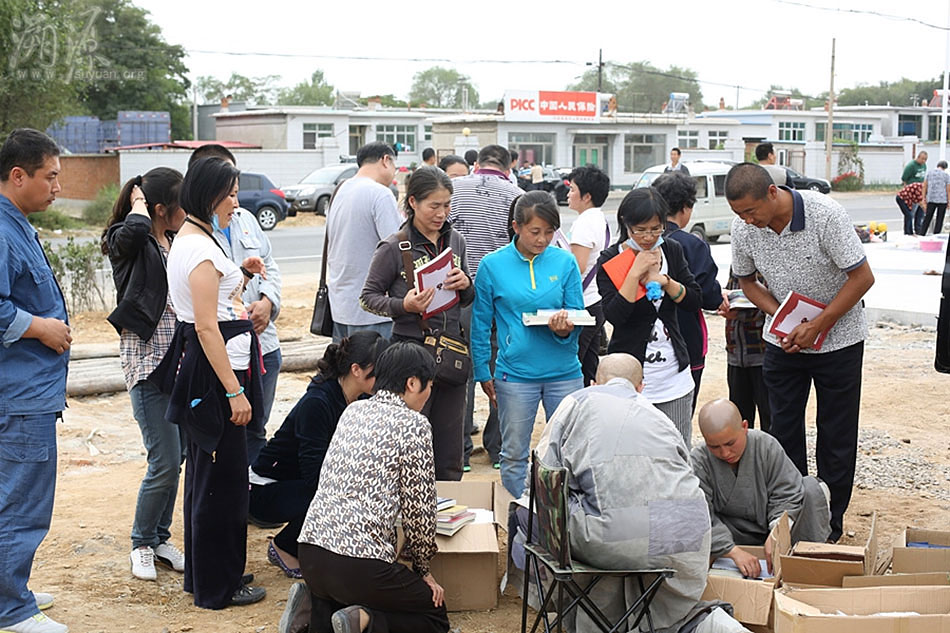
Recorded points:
(749, 482)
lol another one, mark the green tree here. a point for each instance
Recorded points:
(37, 85)
(136, 68)
(904, 92)
(439, 87)
(641, 86)
(251, 90)
(314, 92)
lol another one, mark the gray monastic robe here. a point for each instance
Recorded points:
(746, 503)
(634, 500)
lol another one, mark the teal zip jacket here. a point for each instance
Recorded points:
(509, 284)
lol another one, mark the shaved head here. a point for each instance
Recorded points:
(724, 430)
(718, 416)
(619, 366)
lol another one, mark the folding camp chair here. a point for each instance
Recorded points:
(548, 501)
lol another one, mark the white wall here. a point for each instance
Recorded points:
(283, 167)
(883, 164)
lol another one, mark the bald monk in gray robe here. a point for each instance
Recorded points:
(749, 482)
(633, 500)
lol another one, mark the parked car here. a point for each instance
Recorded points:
(314, 191)
(553, 183)
(712, 215)
(260, 196)
(804, 182)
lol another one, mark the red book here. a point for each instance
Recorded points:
(432, 275)
(795, 310)
(617, 268)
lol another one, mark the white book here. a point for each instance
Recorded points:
(541, 317)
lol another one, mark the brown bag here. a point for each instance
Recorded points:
(453, 364)
(321, 323)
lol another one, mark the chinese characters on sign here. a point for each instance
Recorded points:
(547, 105)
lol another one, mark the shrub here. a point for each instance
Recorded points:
(53, 220)
(848, 181)
(97, 212)
(77, 267)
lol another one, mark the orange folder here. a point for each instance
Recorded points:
(617, 268)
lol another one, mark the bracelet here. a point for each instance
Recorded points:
(247, 273)
(134, 200)
(681, 292)
(236, 393)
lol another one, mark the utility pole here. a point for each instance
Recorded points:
(194, 116)
(600, 70)
(943, 95)
(830, 126)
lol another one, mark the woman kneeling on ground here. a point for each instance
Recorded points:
(379, 467)
(426, 234)
(285, 475)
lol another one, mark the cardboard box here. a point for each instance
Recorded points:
(825, 564)
(919, 559)
(916, 580)
(751, 599)
(869, 610)
(466, 564)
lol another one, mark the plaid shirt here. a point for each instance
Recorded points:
(744, 344)
(139, 358)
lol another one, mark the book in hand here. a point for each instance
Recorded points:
(617, 268)
(432, 275)
(738, 301)
(793, 311)
(729, 566)
(541, 317)
(443, 503)
(449, 528)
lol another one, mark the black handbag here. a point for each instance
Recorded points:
(453, 364)
(942, 355)
(321, 323)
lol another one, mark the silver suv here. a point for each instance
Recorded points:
(314, 191)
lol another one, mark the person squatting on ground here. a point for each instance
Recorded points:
(285, 475)
(679, 191)
(590, 235)
(137, 238)
(240, 239)
(424, 236)
(805, 242)
(216, 390)
(749, 482)
(34, 331)
(379, 467)
(645, 327)
(536, 364)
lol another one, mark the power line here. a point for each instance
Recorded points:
(879, 14)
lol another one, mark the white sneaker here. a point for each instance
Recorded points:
(39, 623)
(168, 554)
(143, 563)
(43, 600)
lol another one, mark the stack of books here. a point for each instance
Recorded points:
(450, 520)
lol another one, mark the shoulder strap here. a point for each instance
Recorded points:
(593, 271)
(405, 250)
(326, 238)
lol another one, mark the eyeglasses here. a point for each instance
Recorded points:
(647, 232)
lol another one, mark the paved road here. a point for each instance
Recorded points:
(298, 250)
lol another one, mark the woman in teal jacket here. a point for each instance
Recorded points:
(538, 363)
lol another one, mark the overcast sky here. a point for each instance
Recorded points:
(751, 43)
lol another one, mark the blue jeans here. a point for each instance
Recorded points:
(342, 330)
(165, 452)
(913, 218)
(517, 409)
(27, 484)
(257, 431)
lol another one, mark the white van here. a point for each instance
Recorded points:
(712, 215)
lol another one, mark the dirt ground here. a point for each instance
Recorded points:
(84, 560)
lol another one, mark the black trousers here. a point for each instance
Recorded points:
(588, 344)
(940, 208)
(491, 434)
(215, 513)
(282, 502)
(747, 391)
(445, 409)
(837, 379)
(397, 598)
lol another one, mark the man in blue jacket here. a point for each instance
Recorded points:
(34, 333)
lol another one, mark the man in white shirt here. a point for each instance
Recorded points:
(363, 212)
(589, 236)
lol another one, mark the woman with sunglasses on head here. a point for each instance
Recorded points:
(137, 239)
(645, 324)
(212, 373)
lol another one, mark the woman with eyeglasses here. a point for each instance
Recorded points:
(643, 309)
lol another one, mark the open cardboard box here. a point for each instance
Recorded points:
(826, 564)
(868, 610)
(751, 599)
(466, 564)
(919, 559)
(927, 578)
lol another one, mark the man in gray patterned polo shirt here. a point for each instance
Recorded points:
(805, 241)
